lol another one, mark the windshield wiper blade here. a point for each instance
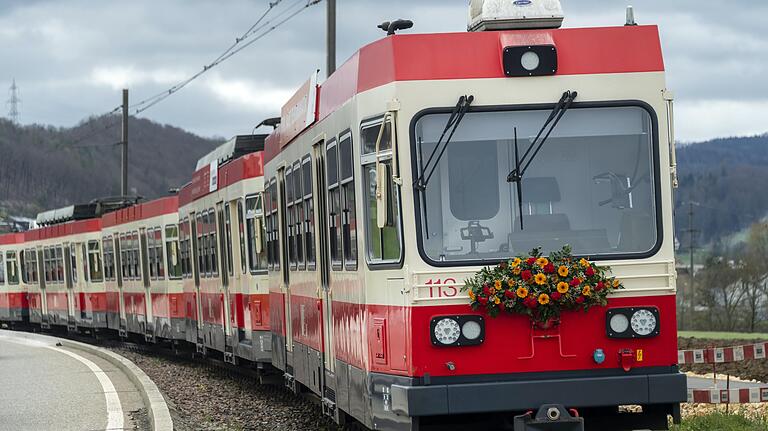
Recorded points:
(522, 164)
(462, 107)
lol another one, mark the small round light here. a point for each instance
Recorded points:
(530, 61)
(471, 330)
(599, 356)
(619, 323)
(447, 331)
(643, 322)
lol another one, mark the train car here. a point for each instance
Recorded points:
(61, 263)
(223, 248)
(14, 299)
(398, 179)
(143, 270)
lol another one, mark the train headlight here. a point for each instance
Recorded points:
(447, 331)
(644, 322)
(467, 330)
(633, 322)
(530, 61)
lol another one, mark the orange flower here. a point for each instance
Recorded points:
(584, 263)
(522, 292)
(540, 279)
(616, 283)
(497, 284)
(511, 283)
(496, 300)
(516, 262)
(472, 295)
(542, 261)
(543, 299)
(563, 287)
(587, 291)
(562, 271)
(493, 291)
(516, 270)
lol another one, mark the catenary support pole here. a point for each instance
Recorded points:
(124, 170)
(331, 37)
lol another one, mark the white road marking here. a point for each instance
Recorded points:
(114, 408)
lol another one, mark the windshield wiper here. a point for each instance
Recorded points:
(462, 107)
(522, 163)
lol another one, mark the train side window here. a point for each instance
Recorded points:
(200, 246)
(11, 268)
(228, 236)
(349, 218)
(71, 253)
(334, 204)
(289, 216)
(213, 242)
(172, 251)
(95, 269)
(2, 268)
(151, 254)
(241, 234)
(298, 215)
(159, 258)
(309, 213)
(137, 270)
(123, 257)
(257, 248)
(384, 245)
(59, 264)
(109, 258)
(186, 269)
(275, 225)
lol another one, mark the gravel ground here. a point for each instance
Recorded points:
(201, 399)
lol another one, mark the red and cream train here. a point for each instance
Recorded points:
(335, 248)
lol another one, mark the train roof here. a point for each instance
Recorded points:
(245, 167)
(11, 238)
(60, 230)
(142, 211)
(233, 149)
(473, 55)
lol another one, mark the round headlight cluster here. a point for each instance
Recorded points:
(471, 330)
(530, 61)
(643, 322)
(447, 331)
(634, 322)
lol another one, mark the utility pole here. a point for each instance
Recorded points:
(124, 171)
(331, 37)
(692, 248)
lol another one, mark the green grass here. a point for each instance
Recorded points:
(721, 422)
(723, 335)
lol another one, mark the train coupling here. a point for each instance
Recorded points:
(550, 417)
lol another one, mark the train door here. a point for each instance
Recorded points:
(120, 243)
(222, 226)
(146, 283)
(70, 278)
(44, 323)
(196, 223)
(285, 265)
(323, 259)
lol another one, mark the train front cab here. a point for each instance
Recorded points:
(357, 330)
(14, 302)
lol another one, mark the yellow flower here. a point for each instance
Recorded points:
(562, 271)
(516, 270)
(542, 261)
(584, 262)
(540, 279)
(543, 299)
(563, 287)
(522, 292)
(496, 300)
(587, 291)
(516, 262)
(616, 283)
(471, 295)
(497, 284)
(511, 283)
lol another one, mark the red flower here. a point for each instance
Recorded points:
(575, 282)
(600, 286)
(531, 260)
(580, 300)
(509, 294)
(486, 289)
(549, 268)
(483, 300)
(556, 296)
(526, 275)
(590, 272)
(531, 303)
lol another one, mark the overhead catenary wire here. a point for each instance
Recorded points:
(253, 34)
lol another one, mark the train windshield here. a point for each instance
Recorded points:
(592, 185)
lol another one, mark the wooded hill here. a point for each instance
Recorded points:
(46, 167)
(728, 178)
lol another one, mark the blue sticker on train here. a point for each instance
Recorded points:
(522, 2)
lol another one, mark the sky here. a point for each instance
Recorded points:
(71, 58)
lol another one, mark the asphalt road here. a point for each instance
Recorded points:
(46, 387)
